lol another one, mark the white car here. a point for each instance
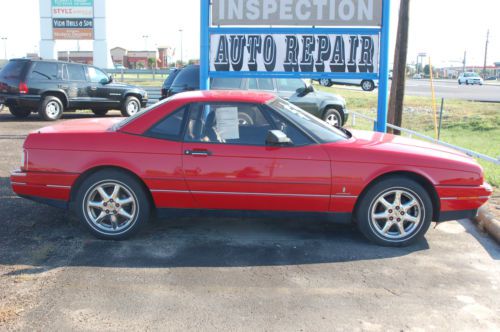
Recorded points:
(366, 85)
(470, 78)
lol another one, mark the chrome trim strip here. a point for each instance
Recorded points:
(18, 173)
(57, 186)
(249, 194)
(463, 198)
(18, 183)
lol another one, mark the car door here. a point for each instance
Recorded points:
(102, 92)
(227, 164)
(75, 85)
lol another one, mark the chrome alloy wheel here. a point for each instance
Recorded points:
(110, 207)
(332, 120)
(132, 107)
(324, 82)
(52, 109)
(396, 214)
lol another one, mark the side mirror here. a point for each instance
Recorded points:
(277, 137)
(305, 90)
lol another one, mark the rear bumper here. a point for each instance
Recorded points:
(20, 100)
(51, 188)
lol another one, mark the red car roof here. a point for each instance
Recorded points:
(243, 96)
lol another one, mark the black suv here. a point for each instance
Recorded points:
(52, 87)
(327, 106)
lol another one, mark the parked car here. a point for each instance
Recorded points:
(191, 152)
(417, 76)
(470, 78)
(366, 85)
(326, 106)
(491, 78)
(53, 87)
(165, 88)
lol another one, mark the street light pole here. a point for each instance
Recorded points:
(4, 47)
(486, 53)
(145, 37)
(180, 30)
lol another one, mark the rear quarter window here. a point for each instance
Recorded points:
(189, 77)
(13, 69)
(44, 71)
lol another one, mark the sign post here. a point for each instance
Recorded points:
(345, 39)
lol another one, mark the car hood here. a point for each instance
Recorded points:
(326, 95)
(80, 126)
(375, 147)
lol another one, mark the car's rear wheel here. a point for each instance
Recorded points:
(100, 112)
(131, 106)
(19, 112)
(112, 204)
(333, 117)
(367, 85)
(325, 82)
(51, 108)
(394, 212)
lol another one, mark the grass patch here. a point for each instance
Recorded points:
(472, 125)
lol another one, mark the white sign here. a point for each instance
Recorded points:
(227, 122)
(294, 53)
(297, 12)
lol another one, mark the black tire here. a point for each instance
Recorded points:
(126, 109)
(19, 113)
(373, 228)
(51, 108)
(333, 117)
(100, 112)
(367, 85)
(139, 208)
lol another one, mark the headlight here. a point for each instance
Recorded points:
(145, 95)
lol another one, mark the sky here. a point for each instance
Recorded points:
(441, 28)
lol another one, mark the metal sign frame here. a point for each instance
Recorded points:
(206, 30)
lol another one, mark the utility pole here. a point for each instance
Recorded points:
(465, 60)
(486, 53)
(395, 114)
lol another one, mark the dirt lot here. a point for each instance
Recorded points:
(233, 274)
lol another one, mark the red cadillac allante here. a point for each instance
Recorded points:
(244, 151)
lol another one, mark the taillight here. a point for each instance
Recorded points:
(23, 88)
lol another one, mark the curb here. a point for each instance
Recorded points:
(487, 221)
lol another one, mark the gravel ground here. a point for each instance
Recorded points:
(233, 273)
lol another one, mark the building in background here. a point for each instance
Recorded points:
(86, 57)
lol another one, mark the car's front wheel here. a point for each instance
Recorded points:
(19, 112)
(131, 106)
(51, 108)
(367, 85)
(396, 211)
(333, 117)
(325, 82)
(112, 204)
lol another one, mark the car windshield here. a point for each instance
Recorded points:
(318, 129)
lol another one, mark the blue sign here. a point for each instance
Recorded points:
(351, 52)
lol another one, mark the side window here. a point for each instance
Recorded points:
(76, 72)
(44, 71)
(265, 84)
(252, 84)
(227, 124)
(289, 84)
(226, 83)
(170, 127)
(298, 138)
(96, 75)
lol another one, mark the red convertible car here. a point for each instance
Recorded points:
(222, 150)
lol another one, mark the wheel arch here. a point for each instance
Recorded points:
(56, 93)
(417, 177)
(78, 182)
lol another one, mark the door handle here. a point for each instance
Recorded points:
(201, 153)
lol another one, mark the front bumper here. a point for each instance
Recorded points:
(462, 198)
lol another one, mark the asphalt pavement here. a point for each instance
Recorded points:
(245, 274)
